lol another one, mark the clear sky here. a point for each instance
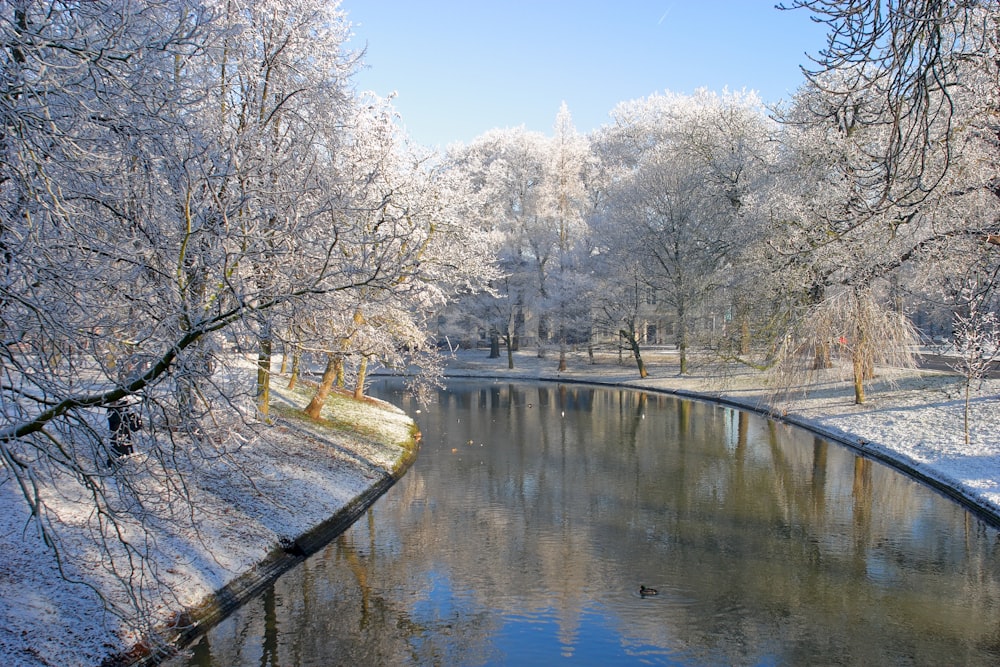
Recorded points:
(462, 67)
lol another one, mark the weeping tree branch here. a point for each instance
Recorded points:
(903, 58)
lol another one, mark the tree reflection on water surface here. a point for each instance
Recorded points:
(535, 511)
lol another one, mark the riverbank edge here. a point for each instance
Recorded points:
(925, 474)
(193, 622)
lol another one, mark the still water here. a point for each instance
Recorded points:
(534, 512)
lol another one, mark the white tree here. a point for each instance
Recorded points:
(896, 130)
(410, 222)
(911, 59)
(564, 202)
(282, 87)
(977, 341)
(503, 172)
(921, 76)
(92, 108)
(618, 299)
(170, 183)
(684, 175)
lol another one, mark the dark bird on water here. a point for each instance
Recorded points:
(646, 592)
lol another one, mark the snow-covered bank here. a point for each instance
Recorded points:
(912, 418)
(295, 483)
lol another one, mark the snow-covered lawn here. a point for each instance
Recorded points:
(277, 482)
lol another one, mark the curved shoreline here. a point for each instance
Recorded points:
(927, 474)
(373, 480)
(222, 521)
(953, 490)
(195, 622)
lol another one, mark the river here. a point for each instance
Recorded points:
(535, 511)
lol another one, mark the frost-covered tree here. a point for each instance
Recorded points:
(404, 218)
(564, 202)
(683, 172)
(172, 186)
(97, 129)
(976, 339)
(913, 60)
(281, 92)
(922, 76)
(503, 172)
(826, 231)
(618, 302)
(897, 127)
(529, 191)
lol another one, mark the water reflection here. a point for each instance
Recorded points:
(534, 512)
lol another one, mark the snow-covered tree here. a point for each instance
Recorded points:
(618, 300)
(281, 92)
(897, 127)
(976, 339)
(564, 202)
(911, 59)
(96, 129)
(684, 169)
(173, 181)
(503, 172)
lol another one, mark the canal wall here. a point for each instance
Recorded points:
(912, 420)
(379, 473)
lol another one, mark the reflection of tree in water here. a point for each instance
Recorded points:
(536, 507)
(349, 554)
(399, 616)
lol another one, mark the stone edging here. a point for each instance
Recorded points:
(983, 510)
(194, 622)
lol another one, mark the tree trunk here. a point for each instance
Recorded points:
(359, 388)
(494, 344)
(859, 377)
(338, 360)
(822, 358)
(682, 343)
(633, 343)
(967, 384)
(264, 378)
(518, 326)
(682, 336)
(562, 350)
(745, 334)
(296, 360)
(543, 335)
(315, 407)
(862, 363)
(510, 350)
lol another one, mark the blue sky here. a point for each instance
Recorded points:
(462, 67)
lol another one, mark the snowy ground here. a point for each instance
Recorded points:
(914, 418)
(283, 481)
(302, 476)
